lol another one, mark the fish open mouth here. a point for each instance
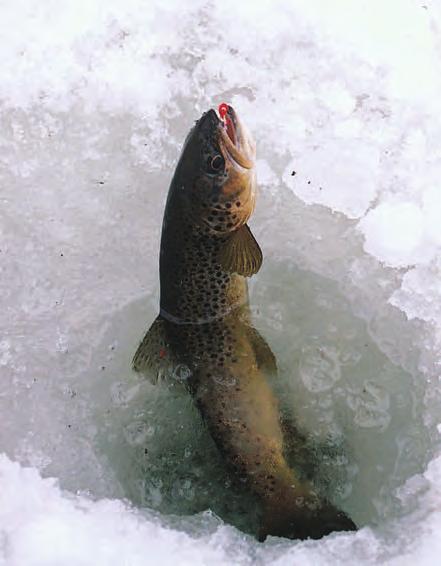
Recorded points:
(230, 124)
(233, 138)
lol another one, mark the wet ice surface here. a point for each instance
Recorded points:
(93, 112)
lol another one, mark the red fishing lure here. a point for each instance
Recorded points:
(223, 113)
(223, 109)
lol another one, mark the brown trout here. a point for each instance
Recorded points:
(204, 331)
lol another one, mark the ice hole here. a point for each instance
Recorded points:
(363, 412)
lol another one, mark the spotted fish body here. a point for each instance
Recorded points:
(204, 330)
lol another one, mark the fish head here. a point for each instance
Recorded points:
(218, 173)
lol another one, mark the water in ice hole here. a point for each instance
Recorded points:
(361, 413)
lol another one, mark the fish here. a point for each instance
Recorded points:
(204, 335)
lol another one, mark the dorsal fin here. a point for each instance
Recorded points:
(241, 253)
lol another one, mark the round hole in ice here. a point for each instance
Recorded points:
(348, 360)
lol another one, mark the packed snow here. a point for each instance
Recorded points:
(100, 467)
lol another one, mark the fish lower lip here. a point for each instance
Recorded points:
(228, 119)
(231, 130)
(233, 151)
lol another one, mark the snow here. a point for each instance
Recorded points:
(95, 100)
(45, 526)
(351, 178)
(394, 233)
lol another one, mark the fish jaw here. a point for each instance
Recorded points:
(236, 141)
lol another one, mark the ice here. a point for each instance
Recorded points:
(395, 233)
(331, 171)
(43, 526)
(95, 101)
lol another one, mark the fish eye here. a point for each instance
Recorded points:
(216, 163)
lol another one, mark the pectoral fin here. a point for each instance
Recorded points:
(241, 253)
(154, 357)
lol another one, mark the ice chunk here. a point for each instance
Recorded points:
(336, 176)
(420, 293)
(432, 215)
(394, 232)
